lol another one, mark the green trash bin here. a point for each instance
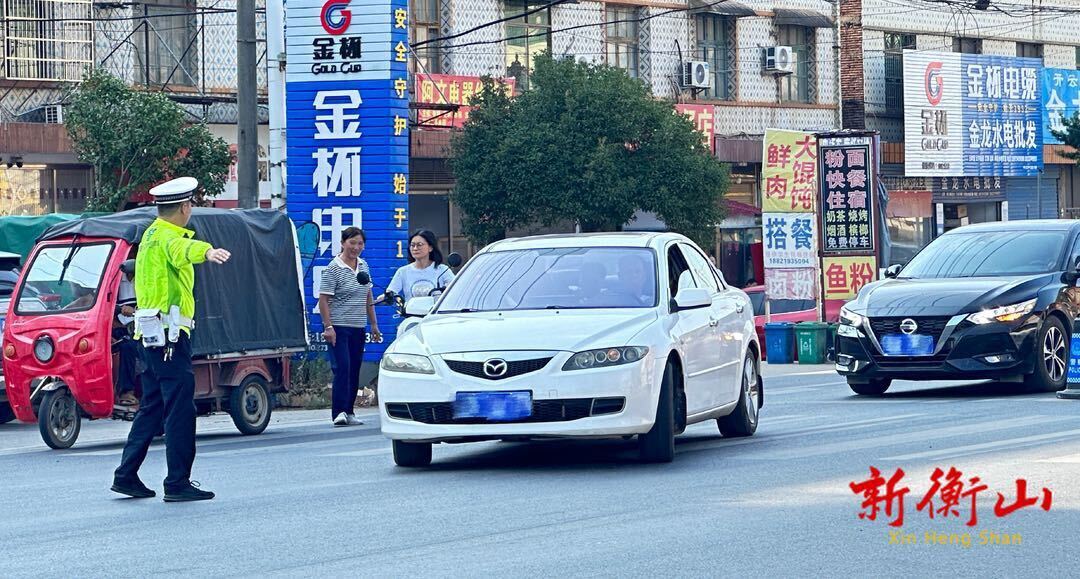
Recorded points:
(811, 338)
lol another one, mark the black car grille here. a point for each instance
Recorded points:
(516, 368)
(557, 410)
(927, 326)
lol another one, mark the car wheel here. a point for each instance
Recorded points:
(1051, 358)
(743, 420)
(250, 407)
(871, 388)
(58, 419)
(412, 454)
(6, 414)
(658, 445)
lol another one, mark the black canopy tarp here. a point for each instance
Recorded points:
(253, 302)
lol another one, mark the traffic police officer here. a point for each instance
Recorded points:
(164, 279)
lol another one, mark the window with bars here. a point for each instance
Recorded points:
(715, 45)
(526, 37)
(895, 45)
(166, 46)
(622, 38)
(796, 87)
(47, 39)
(425, 26)
(1029, 50)
(967, 45)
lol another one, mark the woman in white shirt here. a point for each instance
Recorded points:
(425, 271)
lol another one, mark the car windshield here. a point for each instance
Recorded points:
(67, 288)
(988, 254)
(564, 278)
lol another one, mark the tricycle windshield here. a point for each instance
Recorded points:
(64, 278)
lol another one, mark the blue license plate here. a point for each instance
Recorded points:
(493, 406)
(907, 345)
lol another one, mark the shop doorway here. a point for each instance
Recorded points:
(956, 215)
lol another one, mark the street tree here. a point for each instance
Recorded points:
(1071, 136)
(135, 139)
(588, 144)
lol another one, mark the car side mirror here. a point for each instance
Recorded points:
(692, 298)
(419, 306)
(892, 271)
(454, 260)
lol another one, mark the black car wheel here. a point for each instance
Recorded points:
(1051, 358)
(870, 388)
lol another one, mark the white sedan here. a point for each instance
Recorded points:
(579, 336)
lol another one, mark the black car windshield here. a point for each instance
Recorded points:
(562, 278)
(988, 254)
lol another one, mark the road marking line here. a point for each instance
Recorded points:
(908, 437)
(1066, 459)
(984, 446)
(842, 427)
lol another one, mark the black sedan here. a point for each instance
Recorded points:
(988, 301)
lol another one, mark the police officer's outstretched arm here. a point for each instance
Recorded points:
(182, 251)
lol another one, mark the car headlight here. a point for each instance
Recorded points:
(44, 349)
(605, 357)
(850, 318)
(1003, 314)
(408, 363)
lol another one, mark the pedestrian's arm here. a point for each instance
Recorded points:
(375, 333)
(327, 289)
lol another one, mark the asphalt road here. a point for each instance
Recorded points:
(305, 499)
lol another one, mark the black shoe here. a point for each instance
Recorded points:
(188, 494)
(134, 489)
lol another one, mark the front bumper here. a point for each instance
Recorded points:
(965, 351)
(417, 407)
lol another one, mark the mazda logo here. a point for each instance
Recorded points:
(909, 326)
(495, 368)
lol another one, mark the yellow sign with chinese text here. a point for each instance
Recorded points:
(845, 276)
(789, 172)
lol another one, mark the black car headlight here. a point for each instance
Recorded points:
(44, 349)
(1009, 313)
(605, 357)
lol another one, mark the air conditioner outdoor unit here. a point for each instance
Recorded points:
(696, 74)
(779, 60)
(54, 114)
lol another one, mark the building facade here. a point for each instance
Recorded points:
(922, 207)
(653, 41)
(183, 48)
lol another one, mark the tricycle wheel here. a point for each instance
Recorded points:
(6, 414)
(58, 419)
(249, 405)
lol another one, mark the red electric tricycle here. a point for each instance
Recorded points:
(59, 360)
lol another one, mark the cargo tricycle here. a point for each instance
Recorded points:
(59, 357)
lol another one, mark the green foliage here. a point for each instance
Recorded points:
(587, 143)
(1071, 137)
(135, 139)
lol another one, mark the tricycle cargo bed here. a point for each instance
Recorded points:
(253, 303)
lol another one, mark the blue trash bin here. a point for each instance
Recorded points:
(780, 342)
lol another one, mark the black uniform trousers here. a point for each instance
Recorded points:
(168, 399)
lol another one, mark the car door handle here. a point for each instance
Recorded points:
(739, 308)
(713, 322)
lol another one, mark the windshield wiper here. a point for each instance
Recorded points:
(67, 260)
(461, 311)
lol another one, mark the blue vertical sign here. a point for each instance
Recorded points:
(348, 136)
(1002, 115)
(1060, 99)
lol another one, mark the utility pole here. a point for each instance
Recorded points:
(247, 161)
(275, 83)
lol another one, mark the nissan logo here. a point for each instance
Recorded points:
(909, 326)
(495, 368)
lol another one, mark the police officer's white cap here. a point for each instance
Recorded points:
(175, 191)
